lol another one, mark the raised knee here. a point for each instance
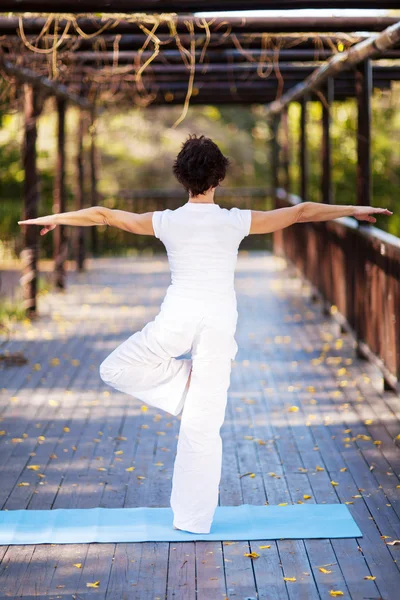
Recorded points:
(107, 372)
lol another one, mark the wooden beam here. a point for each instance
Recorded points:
(29, 255)
(326, 183)
(80, 193)
(25, 75)
(363, 94)
(59, 237)
(34, 25)
(370, 48)
(178, 6)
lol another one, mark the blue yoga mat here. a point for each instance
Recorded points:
(244, 522)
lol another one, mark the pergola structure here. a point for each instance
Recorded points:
(139, 58)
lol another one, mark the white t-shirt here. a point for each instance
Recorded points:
(202, 242)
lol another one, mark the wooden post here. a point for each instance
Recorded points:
(93, 176)
(29, 254)
(60, 241)
(363, 84)
(80, 193)
(275, 153)
(326, 183)
(285, 148)
(303, 162)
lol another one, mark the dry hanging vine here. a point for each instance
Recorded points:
(61, 35)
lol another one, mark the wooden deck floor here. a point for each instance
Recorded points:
(56, 413)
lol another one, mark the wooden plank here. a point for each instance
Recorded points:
(376, 553)
(279, 377)
(280, 335)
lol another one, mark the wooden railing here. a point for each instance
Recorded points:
(356, 269)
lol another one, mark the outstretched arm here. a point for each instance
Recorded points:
(97, 215)
(266, 221)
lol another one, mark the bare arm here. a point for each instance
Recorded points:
(266, 221)
(97, 215)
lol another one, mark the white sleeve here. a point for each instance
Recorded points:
(156, 220)
(242, 217)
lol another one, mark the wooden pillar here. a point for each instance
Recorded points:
(93, 177)
(29, 255)
(303, 159)
(275, 153)
(60, 241)
(326, 183)
(363, 84)
(285, 148)
(80, 193)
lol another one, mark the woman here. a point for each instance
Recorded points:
(197, 315)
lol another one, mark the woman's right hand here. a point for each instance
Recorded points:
(46, 221)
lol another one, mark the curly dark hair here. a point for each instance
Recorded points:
(200, 165)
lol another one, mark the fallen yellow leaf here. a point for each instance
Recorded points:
(335, 593)
(251, 554)
(306, 497)
(95, 584)
(289, 578)
(370, 577)
(77, 565)
(334, 483)
(262, 547)
(324, 570)
(394, 543)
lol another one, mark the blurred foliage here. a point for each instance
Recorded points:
(385, 151)
(137, 149)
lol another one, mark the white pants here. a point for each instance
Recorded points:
(145, 366)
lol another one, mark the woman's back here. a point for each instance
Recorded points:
(202, 241)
